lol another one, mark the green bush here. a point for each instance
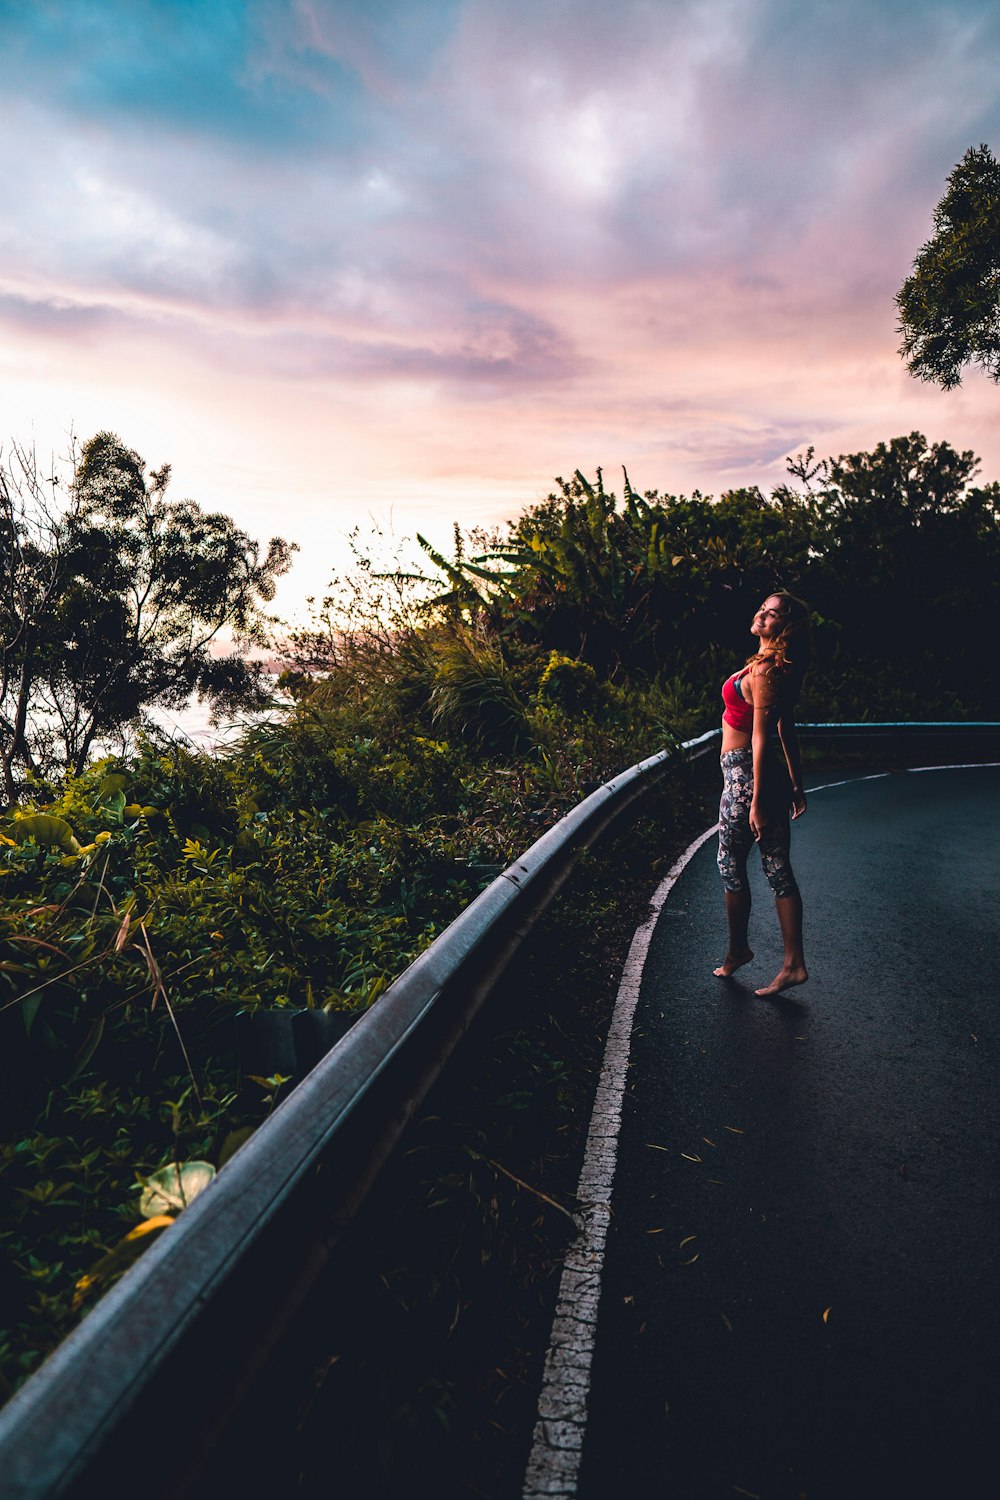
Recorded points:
(568, 684)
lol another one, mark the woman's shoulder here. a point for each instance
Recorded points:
(771, 680)
(766, 669)
(779, 667)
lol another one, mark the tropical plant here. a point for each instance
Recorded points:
(473, 696)
(635, 588)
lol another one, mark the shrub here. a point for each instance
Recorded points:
(568, 684)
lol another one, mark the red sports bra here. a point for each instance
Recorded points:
(738, 713)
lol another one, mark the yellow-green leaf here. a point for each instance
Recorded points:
(118, 1259)
(45, 828)
(174, 1186)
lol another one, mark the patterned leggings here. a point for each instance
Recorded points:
(735, 837)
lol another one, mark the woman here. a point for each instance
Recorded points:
(758, 793)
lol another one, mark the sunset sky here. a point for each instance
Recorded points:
(411, 259)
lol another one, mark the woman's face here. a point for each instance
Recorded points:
(769, 619)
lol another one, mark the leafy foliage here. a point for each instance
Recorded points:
(897, 551)
(110, 598)
(949, 306)
(472, 693)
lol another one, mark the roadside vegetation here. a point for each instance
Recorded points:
(441, 718)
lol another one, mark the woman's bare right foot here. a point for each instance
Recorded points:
(790, 975)
(732, 962)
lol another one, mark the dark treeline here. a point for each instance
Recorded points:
(897, 552)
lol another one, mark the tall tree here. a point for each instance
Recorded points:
(111, 596)
(906, 568)
(949, 307)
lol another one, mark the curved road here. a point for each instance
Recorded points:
(800, 1292)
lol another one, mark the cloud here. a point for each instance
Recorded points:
(198, 70)
(52, 317)
(486, 241)
(271, 155)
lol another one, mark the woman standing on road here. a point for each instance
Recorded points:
(758, 791)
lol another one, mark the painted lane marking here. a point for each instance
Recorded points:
(554, 1464)
(848, 781)
(971, 765)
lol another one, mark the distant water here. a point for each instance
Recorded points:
(192, 727)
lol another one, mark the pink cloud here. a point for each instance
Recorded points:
(421, 258)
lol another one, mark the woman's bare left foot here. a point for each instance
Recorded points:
(732, 962)
(789, 976)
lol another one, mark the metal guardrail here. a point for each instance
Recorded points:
(152, 1377)
(142, 1391)
(974, 727)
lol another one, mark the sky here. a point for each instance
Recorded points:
(405, 261)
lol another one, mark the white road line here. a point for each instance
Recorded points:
(848, 781)
(971, 765)
(556, 1450)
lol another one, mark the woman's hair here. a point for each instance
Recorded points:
(791, 649)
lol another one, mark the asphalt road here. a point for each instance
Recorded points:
(801, 1295)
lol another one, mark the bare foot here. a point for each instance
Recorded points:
(785, 980)
(732, 962)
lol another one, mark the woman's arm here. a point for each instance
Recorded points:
(788, 735)
(764, 696)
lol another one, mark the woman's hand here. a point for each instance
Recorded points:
(798, 802)
(757, 819)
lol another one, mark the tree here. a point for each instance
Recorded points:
(636, 587)
(906, 573)
(949, 308)
(111, 596)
